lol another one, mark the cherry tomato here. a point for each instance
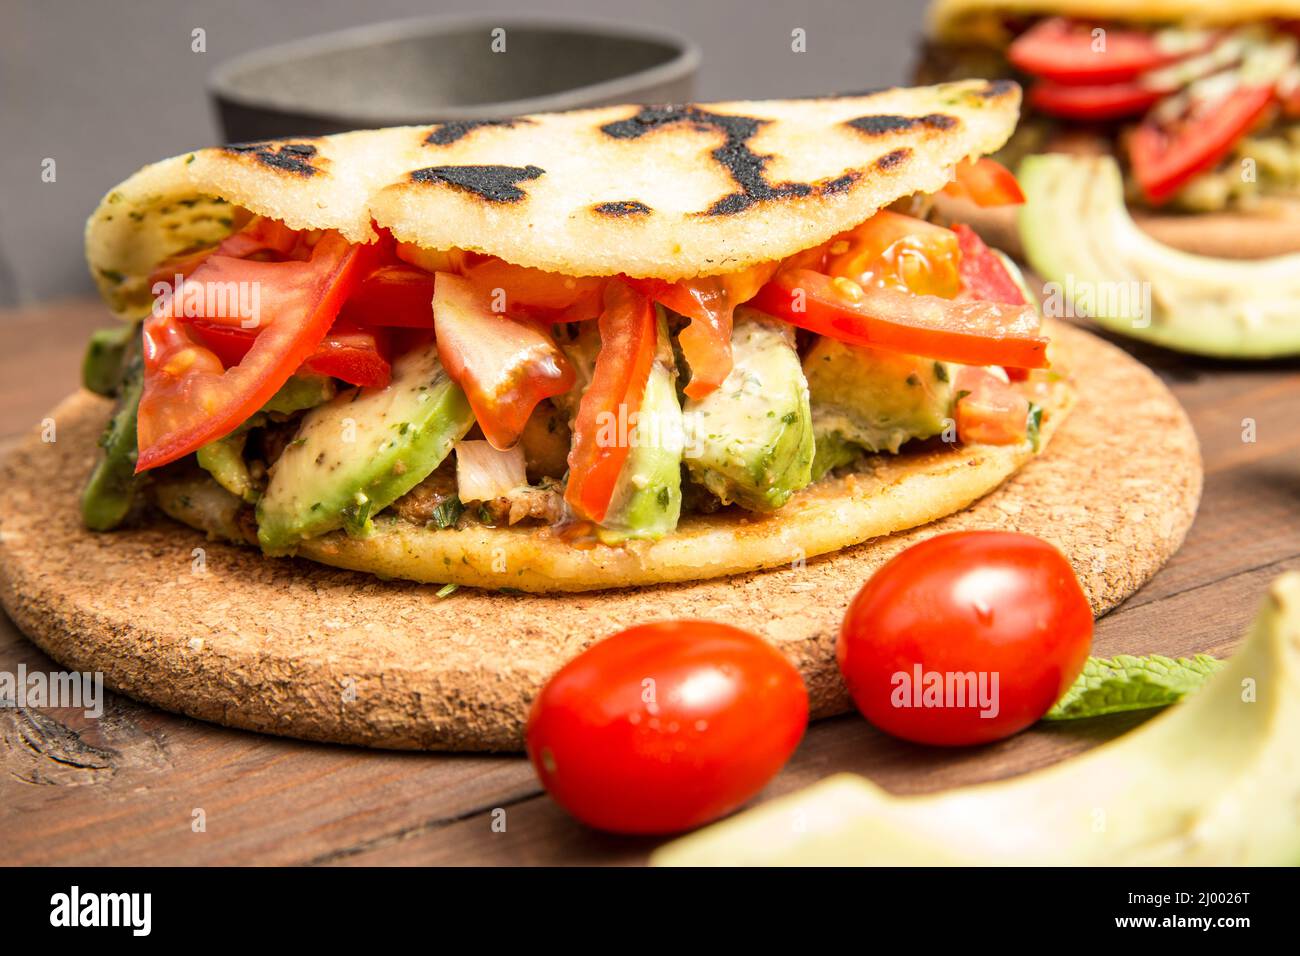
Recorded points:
(992, 620)
(666, 726)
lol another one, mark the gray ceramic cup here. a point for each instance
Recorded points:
(410, 72)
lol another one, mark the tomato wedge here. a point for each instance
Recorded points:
(356, 354)
(1165, 159)
(1093, 103)
(985, 182)
(393, 295)
(628, 336)
(189, 398)
(536, 292)
(1067, 51)
(260, 237)
(505, 366)
(966, 331)
(991, 412)
(983, 276)
(709, 302)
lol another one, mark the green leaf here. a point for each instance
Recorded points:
(448, 512)
(1132, 683)
(1034, 425)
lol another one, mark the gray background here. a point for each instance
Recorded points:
(105, 86)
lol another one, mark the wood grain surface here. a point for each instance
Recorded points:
(128, 788)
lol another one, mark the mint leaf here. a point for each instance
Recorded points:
(1132, 683)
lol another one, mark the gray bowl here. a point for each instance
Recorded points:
(410, 72)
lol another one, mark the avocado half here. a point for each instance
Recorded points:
(1095, 261)
(1214, 780)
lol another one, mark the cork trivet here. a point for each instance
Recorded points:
(289, 647)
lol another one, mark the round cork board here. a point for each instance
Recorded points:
(289, 647)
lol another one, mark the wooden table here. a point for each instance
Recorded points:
(128, 788)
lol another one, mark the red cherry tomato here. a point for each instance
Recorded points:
(666, 726)
(993, 620)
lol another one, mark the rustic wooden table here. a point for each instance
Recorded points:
(127, 788)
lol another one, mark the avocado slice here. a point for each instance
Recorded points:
(358, 453)
(1079, 237)
(111, 490)
(754, 432)
(647, 499)
(223, 458)
(105, 360)
(1213, 780)
(874, 398)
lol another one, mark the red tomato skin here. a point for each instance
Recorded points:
(1108, 101)
(982, 273)
(1065, 51)
(726, 712)
(970, 601)
(1164, 162)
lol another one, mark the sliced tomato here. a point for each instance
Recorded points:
(393, 294)
(983, 275)
(229, 343)
(505, 366)
(628, 335)
(1093, 103)
(263, 236)
(1068, 51)
(991, 412)
(357, 354)
(967, 331)
(260, 237)
(709, 302)
(985, 182)
(893, 251)
(1166, 159)
(189, 397)
(536, 292)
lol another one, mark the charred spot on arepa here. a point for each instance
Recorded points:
(893, 159)
(444, 134)
(493, 183)
(622, 208)
(295, 157)
(995, 89)
(883, 124)
(839, 184)
(746, 168)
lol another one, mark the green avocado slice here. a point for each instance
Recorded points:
(1095, 261)
(358, 453)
